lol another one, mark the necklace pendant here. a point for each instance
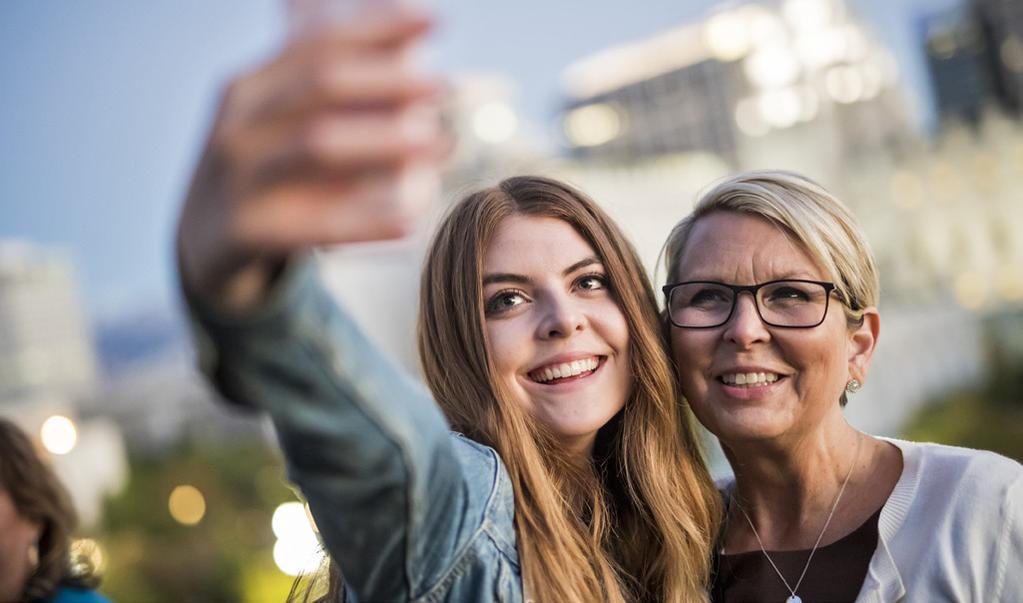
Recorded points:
(794, 599)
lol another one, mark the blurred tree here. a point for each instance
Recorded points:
(226, 556)
(989, 417)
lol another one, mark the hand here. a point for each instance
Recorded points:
(308, 150)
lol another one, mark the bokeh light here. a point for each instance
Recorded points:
(187, 505)
(772, 67)
(593, 125)
(844, 84)
(86, 557)
(289, 518)
(808, 15)
(297, 549)
(58, 434)
(295, 556)
(970, 290)
(780, 108)
(728, 36)
(494, 122)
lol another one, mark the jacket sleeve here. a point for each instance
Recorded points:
(364, 442)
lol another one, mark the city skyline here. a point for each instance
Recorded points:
(108, 103)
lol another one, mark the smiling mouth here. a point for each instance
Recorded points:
(566, 371)
(749, 379)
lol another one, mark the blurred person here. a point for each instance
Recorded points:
(772, 309)
(576, 476)
(36, 522)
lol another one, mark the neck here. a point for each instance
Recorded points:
(788, 486)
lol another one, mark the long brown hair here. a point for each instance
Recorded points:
(39, 496)
(638, 524)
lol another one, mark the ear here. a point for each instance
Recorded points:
(862, 343)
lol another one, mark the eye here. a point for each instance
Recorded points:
(503, 301)
(592, 282)
(709, 295)
(789, 293)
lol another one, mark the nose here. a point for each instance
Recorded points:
(561, 317)
(745, 327)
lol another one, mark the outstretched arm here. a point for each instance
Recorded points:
(369, 449)
(308, 150)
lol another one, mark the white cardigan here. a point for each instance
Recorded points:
(952, 529)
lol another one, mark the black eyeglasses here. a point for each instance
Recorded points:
(789, 303)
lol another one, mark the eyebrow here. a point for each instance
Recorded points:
(781, 276)
(508, 277)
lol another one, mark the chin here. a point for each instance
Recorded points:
(746, 426)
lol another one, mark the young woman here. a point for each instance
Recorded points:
(575, 477)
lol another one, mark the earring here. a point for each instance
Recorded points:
(853, 386)
(33, 555)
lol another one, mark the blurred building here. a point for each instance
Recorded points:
(757, 85)
(956, 52)
(45, 343)
(1001, 25)
(47, 367)
(664, 94)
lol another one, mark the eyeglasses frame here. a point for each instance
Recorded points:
(752, 290)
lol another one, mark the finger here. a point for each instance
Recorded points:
(383, 81)
(301, 215)
(379, 27)
(334, 142)
(320, 75)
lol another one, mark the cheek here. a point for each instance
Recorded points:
(690, 355)
(501, 346)
(689, 352)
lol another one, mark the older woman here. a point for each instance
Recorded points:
(772, 304)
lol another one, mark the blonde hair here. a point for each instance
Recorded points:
(638, 523)
(816, 219)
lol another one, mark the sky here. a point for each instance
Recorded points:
(105, 105)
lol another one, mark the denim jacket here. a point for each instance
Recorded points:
(409, 510)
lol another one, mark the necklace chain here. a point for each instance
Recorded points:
(820, 536)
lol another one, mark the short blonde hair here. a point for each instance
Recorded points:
(815, 218)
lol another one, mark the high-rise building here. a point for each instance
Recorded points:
(956, 60)
(664, 94)
(1001, 24)
(797, 72)
(45, 344)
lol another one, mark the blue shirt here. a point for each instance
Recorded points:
(408, 510)
(77, 595)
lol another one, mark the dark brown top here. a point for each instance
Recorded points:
(835, 574)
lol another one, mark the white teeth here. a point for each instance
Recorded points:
(749, 379)
(566, 369)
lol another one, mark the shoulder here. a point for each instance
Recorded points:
(78, 595)
(960, 482)
(490, 504)
(954, 523)
(939, 463)
(481, 464)
(487, 480)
